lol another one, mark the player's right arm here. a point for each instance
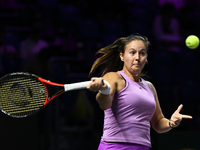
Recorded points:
(105, 101)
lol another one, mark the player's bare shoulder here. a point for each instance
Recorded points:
(148, 82)
(115, 79)
(112, 76)
(152, 86)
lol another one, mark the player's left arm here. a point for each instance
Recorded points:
(161, 124)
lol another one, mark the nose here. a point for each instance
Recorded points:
(137, 56)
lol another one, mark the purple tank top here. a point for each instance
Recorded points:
(128, 120)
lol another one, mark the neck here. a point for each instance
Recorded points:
(134, 77)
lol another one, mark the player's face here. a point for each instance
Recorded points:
(134, 57)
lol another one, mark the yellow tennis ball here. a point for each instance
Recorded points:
(192, 41)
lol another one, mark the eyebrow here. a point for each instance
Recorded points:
(139, 50)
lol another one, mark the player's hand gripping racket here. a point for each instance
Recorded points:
(23, 94)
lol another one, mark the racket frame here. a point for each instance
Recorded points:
(48, 99)
(44, 82)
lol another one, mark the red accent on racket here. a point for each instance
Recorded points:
(23, 94)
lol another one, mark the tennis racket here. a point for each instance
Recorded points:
(23, 94)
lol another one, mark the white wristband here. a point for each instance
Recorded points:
(106, 91)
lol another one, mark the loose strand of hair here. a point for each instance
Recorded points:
(110, 54)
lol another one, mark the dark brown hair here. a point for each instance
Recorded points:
(111, 53)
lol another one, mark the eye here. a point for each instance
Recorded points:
(132, 52)
(143, 53)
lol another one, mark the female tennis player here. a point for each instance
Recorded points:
(130, 103)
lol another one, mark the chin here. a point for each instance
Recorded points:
(136, 71)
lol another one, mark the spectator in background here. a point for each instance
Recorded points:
(189, 18)
(38, 63)
(8, 55)
(177, 3)
(166, 29)
(33, 44)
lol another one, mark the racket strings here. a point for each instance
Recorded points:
(21, 95)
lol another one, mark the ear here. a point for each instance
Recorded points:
(121, 55)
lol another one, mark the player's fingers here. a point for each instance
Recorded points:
(179, 108)
(186, 116)
(97, 81)
(93, 79)
(95, 84)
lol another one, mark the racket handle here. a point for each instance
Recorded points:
(76, 86)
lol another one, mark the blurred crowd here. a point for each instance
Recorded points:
(56, 39)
